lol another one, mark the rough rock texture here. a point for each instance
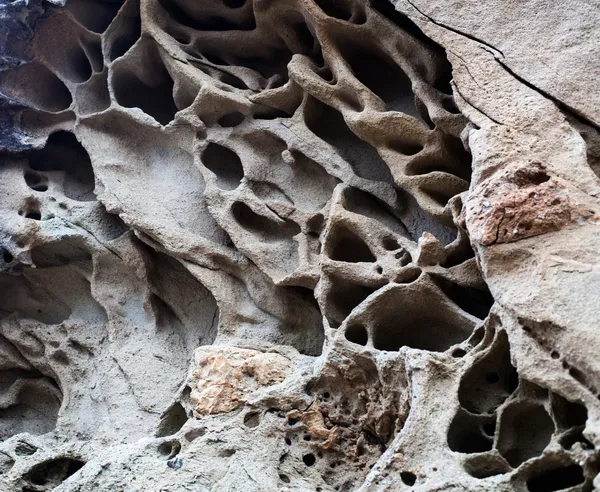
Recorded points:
(302, 245)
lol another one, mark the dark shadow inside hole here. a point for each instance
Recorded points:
(579, 376)
(95, 16)
(252, 419)
(408, 478)
(342, 298)
(492, 377)
(358, 16)
(208, 21)
(126, 38)
(458, 353)
(460, 159)
(556, 479)
(473, 301)
(172, 420)
(473, 443)
(489, 428)
(265, 113)
(34, 215)
(335, 8)
(309, 459)
(37, 405)
(357, 334)
(525, 431)
(465, 434)
(24, 449)
(221, 74)
(573, 436)
(271, 66)
(307, 41)
(441, 77)
(7, 257)
(225, 163)
(475, 392)
(387, 9)
(363, 203)
(234, 4)
(382, 76)
(424, 113)
(439, 196)
(44, 89)
(567, 413)
(64, 153)
(449, 104)
(315, 225)
(415, 317)
(35, 181)
(53, 472)
(591, 137)
(80, 68)
(477, 337)
(405, 148)
(156, 100)
(215, 59)
(349, 247)
(328, 124)
(453, 159)
(182, 37)
(170, 449)
(268, 229)
(94, 52)
(231, 119)
(390, 244)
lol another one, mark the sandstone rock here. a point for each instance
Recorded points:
(299, 245)
(225, 376)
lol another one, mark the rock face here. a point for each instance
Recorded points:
(299, 245)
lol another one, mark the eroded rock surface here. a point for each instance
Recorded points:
(320, 245)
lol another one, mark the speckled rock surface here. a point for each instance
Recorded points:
(299, 245)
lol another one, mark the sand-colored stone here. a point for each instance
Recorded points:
(299, 245)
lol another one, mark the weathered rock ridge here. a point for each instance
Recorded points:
(299, 245)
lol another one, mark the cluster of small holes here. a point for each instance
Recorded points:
(304, 448)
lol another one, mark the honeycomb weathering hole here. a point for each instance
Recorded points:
(421, 320)
(225, 164)
(154, 98)
(237, 241)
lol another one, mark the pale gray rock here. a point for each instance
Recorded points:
(299, 246)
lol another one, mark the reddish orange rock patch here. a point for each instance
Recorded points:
(520, 202)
